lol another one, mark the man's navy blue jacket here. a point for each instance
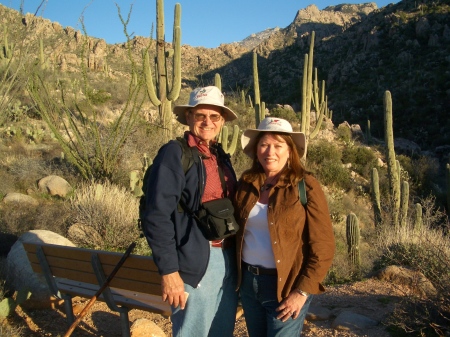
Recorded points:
(176, 241)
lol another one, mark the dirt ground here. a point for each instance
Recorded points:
(372, 298)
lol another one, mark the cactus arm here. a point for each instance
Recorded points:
(224, 138)
(176, 79)
(404, 202)
(218, 81)
(149, 81)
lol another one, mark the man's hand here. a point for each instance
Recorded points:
(173, 290)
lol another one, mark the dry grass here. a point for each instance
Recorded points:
(107, 215)
(426, 250)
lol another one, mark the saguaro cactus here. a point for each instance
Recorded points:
(165, 93)
(6, 52)
(259, 111)
(394, 185)
(404, 198)
(218, 81)
(42, 59)
(229, 148)
(418, 217)
(353, 236)
(376, 198)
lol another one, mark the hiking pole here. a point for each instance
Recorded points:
(97, 294)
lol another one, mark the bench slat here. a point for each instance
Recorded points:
(64, 268)
(129, 299)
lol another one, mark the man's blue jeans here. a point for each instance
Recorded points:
(211, 307)
(259, 301)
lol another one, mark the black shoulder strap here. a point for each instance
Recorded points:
(302, 192)
(189, 154)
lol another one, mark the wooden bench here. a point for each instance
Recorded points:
(71, 271)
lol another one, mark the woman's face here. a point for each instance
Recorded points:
(273, 153)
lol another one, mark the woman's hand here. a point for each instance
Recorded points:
(291, 306)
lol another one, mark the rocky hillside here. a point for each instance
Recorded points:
(360, 51)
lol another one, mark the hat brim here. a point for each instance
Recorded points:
(249, 136)
(179, 110)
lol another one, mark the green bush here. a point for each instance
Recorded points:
(321, 151)
(324, 159)
(98, 97)
(285, 113)
(344, 133)
(362, 159)
(332, 173)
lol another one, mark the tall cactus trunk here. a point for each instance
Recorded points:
(258, 108)
(418, 218)
(394, 184)
(376, 198)
(304, 95)
(404, 200)
(353, 238)
(165, 92)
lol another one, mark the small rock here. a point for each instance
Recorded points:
(145, 328)
(348, 320)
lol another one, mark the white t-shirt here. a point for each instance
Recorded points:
(257, 248)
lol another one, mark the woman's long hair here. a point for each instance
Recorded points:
(292, 172)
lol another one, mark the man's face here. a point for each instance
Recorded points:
(205, 121)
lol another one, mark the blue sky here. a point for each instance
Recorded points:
(203, 23)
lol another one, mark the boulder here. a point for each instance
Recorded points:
(414, 280)
(20, 198)
(19, 273)
(55, 186)
(145, 328)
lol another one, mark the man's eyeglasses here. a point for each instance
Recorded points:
(202, 117)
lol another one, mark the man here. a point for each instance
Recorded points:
(190, 265)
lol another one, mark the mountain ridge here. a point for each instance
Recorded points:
(360, 51)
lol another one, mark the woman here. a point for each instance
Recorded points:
(284, 249)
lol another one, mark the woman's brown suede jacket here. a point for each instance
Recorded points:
(302, 238)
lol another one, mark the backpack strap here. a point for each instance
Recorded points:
(189, 155)
(302, 192)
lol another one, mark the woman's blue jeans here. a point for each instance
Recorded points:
(211, 307)
(259, 301)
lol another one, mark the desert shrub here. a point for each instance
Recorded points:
(7, 330)
(285, 113)
(361, 158)
(18, 219)
(324, 159)
(422, 172)
(98, 97)
(105, 217)
(321, 151)
(426, 250)
(344, 133)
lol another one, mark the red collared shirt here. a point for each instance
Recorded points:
(213, 187)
